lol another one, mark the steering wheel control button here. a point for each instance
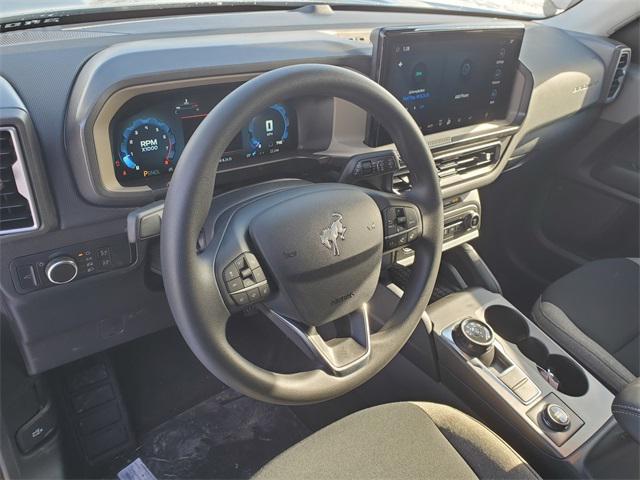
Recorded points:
(241, 299)
(400, 226)
(251, 261)
(254, 294)
(556, 418)
(230, 273)
(258, 275)
(234, 285)
(264, 290)
(61, 270)
(473, 337)
(245, 280)
(374, 165)
(412, 218)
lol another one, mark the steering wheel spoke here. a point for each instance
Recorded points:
(340, 356)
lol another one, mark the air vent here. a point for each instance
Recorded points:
(618, 76)
(401, 183)
(467, 161)
(17, 213)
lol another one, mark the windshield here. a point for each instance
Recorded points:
(524, 8)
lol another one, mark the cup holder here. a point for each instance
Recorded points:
(570, 378)
(534, 350)
(559, 371)
(507, 323)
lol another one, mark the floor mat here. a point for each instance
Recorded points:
(160, 378)
(226, 436)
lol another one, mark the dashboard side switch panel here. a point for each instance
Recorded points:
(71, 263)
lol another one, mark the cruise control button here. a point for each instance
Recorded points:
(235, 285)
(240, 263)
(254, 294)
(248, 282)
(240, 299)
(412, 235)
(230, 272)
(264, 290)
(412, 218)
(251, 260)
(402, 239)
(258, 275)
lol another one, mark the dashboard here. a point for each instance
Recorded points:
(140, 131)
(123, 99)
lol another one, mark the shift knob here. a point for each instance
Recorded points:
(473, 337)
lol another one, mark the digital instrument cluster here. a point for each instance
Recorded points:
(150, 131)
(446, 79)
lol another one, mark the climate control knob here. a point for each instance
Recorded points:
(61, 270)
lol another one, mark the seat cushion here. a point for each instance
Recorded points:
(593, 312)
(401, 440)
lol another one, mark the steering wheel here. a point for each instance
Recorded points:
(306, 254)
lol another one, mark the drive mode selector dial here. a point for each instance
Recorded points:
(61, 270)
(556, 418)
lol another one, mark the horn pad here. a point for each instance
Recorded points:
(324, 248)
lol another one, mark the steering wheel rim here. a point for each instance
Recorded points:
(192, 290)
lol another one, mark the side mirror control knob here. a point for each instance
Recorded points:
(61, 270)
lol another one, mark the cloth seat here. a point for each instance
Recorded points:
(594, 314)
(401, 440)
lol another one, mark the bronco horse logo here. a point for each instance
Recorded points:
(329, 236)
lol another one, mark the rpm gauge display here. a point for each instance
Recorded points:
(147, 149)
(150, 132)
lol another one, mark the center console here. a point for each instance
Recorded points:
(491, 353)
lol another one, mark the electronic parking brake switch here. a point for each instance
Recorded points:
(245, 280)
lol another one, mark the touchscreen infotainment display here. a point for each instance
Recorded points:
(446, 79)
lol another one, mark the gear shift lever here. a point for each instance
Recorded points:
(475, 338)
